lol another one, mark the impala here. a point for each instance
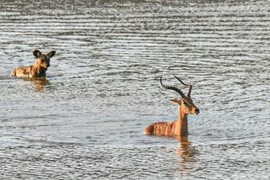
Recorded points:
(38, 69)
(178, 128)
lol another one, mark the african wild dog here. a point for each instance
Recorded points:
(38, 69)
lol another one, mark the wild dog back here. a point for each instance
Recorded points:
(38, 69)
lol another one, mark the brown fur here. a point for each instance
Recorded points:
(178, 128)
(161, 128)
(38, 69)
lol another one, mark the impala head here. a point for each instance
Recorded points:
(43, 60)
(185, 102)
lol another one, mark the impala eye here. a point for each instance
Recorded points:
(186, 103)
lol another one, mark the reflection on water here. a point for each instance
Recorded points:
(110, 54)
(188, 154)
(38, 83)
(187, 151)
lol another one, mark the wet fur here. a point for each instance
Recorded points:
(29, 72)
(178, 128)
(38, 69)
(161, 128)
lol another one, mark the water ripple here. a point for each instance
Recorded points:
(103, 88)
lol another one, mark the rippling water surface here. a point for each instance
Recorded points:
(85, 120)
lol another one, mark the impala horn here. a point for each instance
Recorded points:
(172, 88)
(188, 85)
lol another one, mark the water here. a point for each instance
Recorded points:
(86, 119)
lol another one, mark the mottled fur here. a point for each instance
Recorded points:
(38, 69)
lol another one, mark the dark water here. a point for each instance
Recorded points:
(86, 119)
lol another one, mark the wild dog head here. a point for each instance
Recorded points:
(43, 60)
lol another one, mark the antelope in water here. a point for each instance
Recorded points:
(178, 128)
(38, 69)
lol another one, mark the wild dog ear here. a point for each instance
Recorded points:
(37, 53)
(51, 54)
(175, 101)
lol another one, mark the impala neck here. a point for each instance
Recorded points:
(181, 123)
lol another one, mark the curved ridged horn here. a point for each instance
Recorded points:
(190, 86)
(172, 88)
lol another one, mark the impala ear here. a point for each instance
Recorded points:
(175, 101)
